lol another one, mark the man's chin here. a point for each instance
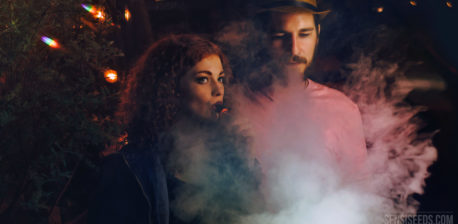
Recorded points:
(294, 69)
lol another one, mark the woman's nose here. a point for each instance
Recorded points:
(217, 88)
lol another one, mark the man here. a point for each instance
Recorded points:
(302, 117)
(293, 27)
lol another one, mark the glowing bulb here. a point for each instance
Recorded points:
(111, 76)
(99, 15)
(413, 3)
(380, 9)
(50, 42)
(449, 4)
(123, 138)
(127, 14)
(89, 8)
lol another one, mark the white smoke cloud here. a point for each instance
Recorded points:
(302, 181)
(303, 185)
(398, 155)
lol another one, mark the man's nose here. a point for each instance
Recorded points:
(291, 46)
(217, 88)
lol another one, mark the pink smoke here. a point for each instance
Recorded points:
(305, 184)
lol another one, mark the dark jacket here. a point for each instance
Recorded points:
(133, 189)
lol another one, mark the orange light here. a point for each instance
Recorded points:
(413, 3)
(99, 15)
(380, 9)
(111, 76)
(224, 110)
(96, 12)
(449, 4)
(127, 14)
(123, 138)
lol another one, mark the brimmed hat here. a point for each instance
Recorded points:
(290, 6)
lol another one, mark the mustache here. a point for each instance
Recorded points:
(295, 59)
(298, 59)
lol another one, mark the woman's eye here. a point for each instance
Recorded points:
(202, 80)
(222, 79)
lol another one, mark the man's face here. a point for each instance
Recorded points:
(293, 40)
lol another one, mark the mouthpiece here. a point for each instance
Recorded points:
(220, 110)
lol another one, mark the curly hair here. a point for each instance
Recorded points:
(150, 102)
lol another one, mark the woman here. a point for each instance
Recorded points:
(175, 91)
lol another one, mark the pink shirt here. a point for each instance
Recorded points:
(313, 123)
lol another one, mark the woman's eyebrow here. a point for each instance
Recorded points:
(208, 72)
(204, 71)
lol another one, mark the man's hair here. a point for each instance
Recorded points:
(151, 100)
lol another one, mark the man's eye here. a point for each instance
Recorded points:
(304, 34)
(202, 80)
(222, 79)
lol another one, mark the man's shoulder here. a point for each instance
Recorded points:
(331, 96)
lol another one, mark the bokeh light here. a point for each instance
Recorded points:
(89, 8)
(111, 76)
(127, 14)
(50, 42)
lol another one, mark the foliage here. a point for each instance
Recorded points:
(55, 106)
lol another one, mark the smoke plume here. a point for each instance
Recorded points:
(302, 185)
(214, 180)
(302, 181)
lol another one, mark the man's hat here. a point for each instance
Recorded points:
(289, 6)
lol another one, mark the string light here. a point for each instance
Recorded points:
(111, 76)
(97, 13)
(89, 8)
(449, 4)
(50, 42)
(123, 140)
(127, 14)
(380, 9)
(413, 3)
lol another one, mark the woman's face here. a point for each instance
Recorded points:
(203, 87)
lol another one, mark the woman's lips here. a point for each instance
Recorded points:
(218, 107)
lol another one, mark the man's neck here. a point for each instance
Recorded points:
(295, 79)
